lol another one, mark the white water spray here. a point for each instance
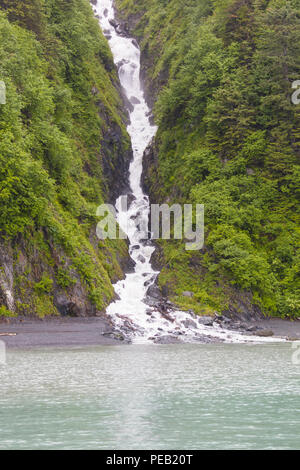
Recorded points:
(131, 313)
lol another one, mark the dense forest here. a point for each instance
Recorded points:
(63, 141)
(220, 74)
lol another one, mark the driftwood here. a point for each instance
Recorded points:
(8, 334)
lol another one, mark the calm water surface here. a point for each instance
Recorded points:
(223, 396)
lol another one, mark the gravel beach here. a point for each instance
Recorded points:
(64, 332)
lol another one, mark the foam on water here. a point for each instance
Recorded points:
(131, 311)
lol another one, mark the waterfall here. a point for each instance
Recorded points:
(131, 314)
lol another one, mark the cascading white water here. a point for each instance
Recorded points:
(130, 312)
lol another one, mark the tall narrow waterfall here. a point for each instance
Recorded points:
(131, 314)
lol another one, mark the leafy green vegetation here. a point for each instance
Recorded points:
(229, 138)
(62, 102)
(4, 312)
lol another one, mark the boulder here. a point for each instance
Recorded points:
(189, 323)
(166, 340)
(264, 333)
(154, 292)
(206, 321)
(134, 100)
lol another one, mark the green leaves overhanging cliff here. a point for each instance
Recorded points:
(62, 140)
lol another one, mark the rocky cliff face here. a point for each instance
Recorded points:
(66, 119)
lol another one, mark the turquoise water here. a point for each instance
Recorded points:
(218, 396)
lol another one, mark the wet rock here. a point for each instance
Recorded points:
(251, 328)
(121, 62)
(105, 12)
(113, 22)
(206, 321)
(130, 199)
(154, 292)
(141, 259)
(151, 302)
(167, 317)
(218, 318)
(189, 324)
(166, 340)
(119, 30)
(94, 2)
(134, 100)
(135, 43)
(264, 333)
(117, 336)
(207, 339)
(127, 264)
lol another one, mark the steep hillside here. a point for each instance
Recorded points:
(220, 73)
(63, 151)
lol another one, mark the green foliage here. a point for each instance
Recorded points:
(61, 103)
(228, 138)
(64, 279)
(45, 285)
(4, 312)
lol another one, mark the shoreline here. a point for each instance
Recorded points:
(30, 333)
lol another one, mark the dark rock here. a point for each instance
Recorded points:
(251, 328)
(218, 318)
(264, 333)
(130, 199)
(189, 324)
(127, 264)
(134, 100)
(206, 321)
(135, 43)
(114, 23)
(167, 317)
(154, 292)
(166, 340)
